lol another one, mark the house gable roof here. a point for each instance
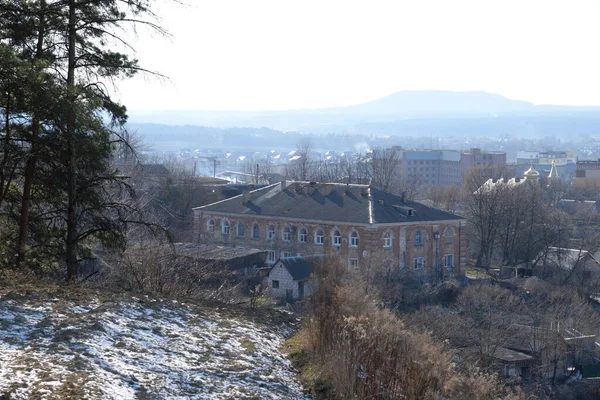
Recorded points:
(301, 267)
(360, 204)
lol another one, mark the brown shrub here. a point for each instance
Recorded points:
(366, 352)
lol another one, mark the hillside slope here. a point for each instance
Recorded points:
(62, 344)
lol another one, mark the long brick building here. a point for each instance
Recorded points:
(357, 222)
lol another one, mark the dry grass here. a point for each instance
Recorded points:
(351, 348)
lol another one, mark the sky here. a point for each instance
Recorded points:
(288, 54)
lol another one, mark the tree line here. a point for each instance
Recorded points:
(60, 195)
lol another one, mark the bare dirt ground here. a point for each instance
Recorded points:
(63, 343)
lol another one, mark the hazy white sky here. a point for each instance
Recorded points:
(280, 54)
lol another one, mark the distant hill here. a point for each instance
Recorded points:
(395, 113)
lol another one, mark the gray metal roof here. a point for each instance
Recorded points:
(299, 267)
(330, 202)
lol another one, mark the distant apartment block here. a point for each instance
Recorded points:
(565, 162)
(587, 173)
(446, 167)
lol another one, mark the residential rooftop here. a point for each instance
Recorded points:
(333, 202)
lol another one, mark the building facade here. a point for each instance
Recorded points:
(587, 173)
(446, 167)
(363, 225)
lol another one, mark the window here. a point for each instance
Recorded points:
(225, 227)
(449, 236)
(210, 226)
(270, 232)
(240, 229)
(418, 263)
(287, 234)
(302, 236)
(255, 231)
(353, 262)
(275, 284)
(285, 254)
(449, 260)
(337, 238)
(270, 256)
(354, 239)
(418, 238)
(319, 236)
(387, 240)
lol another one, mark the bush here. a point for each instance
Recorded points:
(364, 351)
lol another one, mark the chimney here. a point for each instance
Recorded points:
(380, 202)
(311, 187)
(245, 196)
(283, 184)
(403, 197)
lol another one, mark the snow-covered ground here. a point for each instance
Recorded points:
(93, 346)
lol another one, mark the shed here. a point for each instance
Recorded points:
(289, 277)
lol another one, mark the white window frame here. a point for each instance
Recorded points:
(286, 254)
(353, 262)
(387, 240)
(336, 240)
(210, 226)
(286, 234)
(225, 227)
(354, 239)
(270, 232)
(448, 257)
(271, 257)
(418, 263)
(420, 241)
(302, 235)
(319, 238)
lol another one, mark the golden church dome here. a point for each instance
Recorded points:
(531, 173)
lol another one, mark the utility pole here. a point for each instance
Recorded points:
(214, 167)
(256, 174)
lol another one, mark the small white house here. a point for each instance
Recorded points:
(289, 277)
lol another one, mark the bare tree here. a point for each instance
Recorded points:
(301, 164)
(259, 167)
(385, 165)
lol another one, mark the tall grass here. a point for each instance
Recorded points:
(363, 351)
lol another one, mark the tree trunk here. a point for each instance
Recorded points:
(71, 245)
(32, 160)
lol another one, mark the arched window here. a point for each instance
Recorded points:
(336, 237)
(418, 238)
(387, 240)
(302, 235)
(286, 234)
(225, 227)
(319, 236)
(270, 232)
(449, 236)
(210, 226)
(240, 229)
(255, 231)
(354, 239)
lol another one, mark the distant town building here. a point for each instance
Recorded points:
(446, 167)
(359, 223)
(542, 161)
(587, 173)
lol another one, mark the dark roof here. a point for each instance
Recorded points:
(508, 355)
(330, 202)
(154, 169)
(299, 267)
(214, 252)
